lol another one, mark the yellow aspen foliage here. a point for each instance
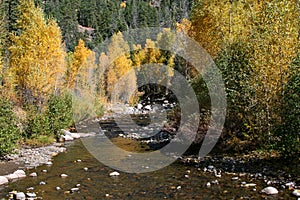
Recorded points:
(123, 4)
(37, 57)
(186, 27)
(76, 63)
(219, 22)
(275, 44)
(120, 67)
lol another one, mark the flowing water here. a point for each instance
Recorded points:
(176, 181)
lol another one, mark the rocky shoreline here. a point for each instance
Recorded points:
(13, 166)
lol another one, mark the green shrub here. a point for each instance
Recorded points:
(37, 123)
(235, 66)
(9, 132)
(289, 131)
(59, 113)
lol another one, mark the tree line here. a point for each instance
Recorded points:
(46, 52)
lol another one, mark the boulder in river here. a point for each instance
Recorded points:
(270, 190)
(3, 180)
(20, 173)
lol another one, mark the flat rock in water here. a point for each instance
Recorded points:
(270, 190)
(3, 180)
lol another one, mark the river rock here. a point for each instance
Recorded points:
(49, 163)
(31, 195)
(148, 107)
(67, 138)
(63, 175)
(139, 106)
(74, 189)
(3, 180)
(114, 174)
(86, 169)
(20, 173)
(34, 174)
(20, 196)
(296, 193)
(58, 188)
(270, 190)
(12, 176)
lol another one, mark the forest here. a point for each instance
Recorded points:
(50, 49)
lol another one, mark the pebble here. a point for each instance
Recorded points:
(208, 184)
(186, 176)
(114, 173)
(85, 169)
(20, 196)
(44, 170)
(42, 183)
(74, 190)
(34, 174)
(178, 187)
(249, 185)
(107, 195)
(215, 182)
(63, 175)
(49, 163)
(78, 160)
(31, 195)
(210, 167)
(78, 185)
(270, 190)
(235, 178)
(58, 188)
(218, 175)
(296, 193)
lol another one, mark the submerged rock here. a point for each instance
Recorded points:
(270, 190)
